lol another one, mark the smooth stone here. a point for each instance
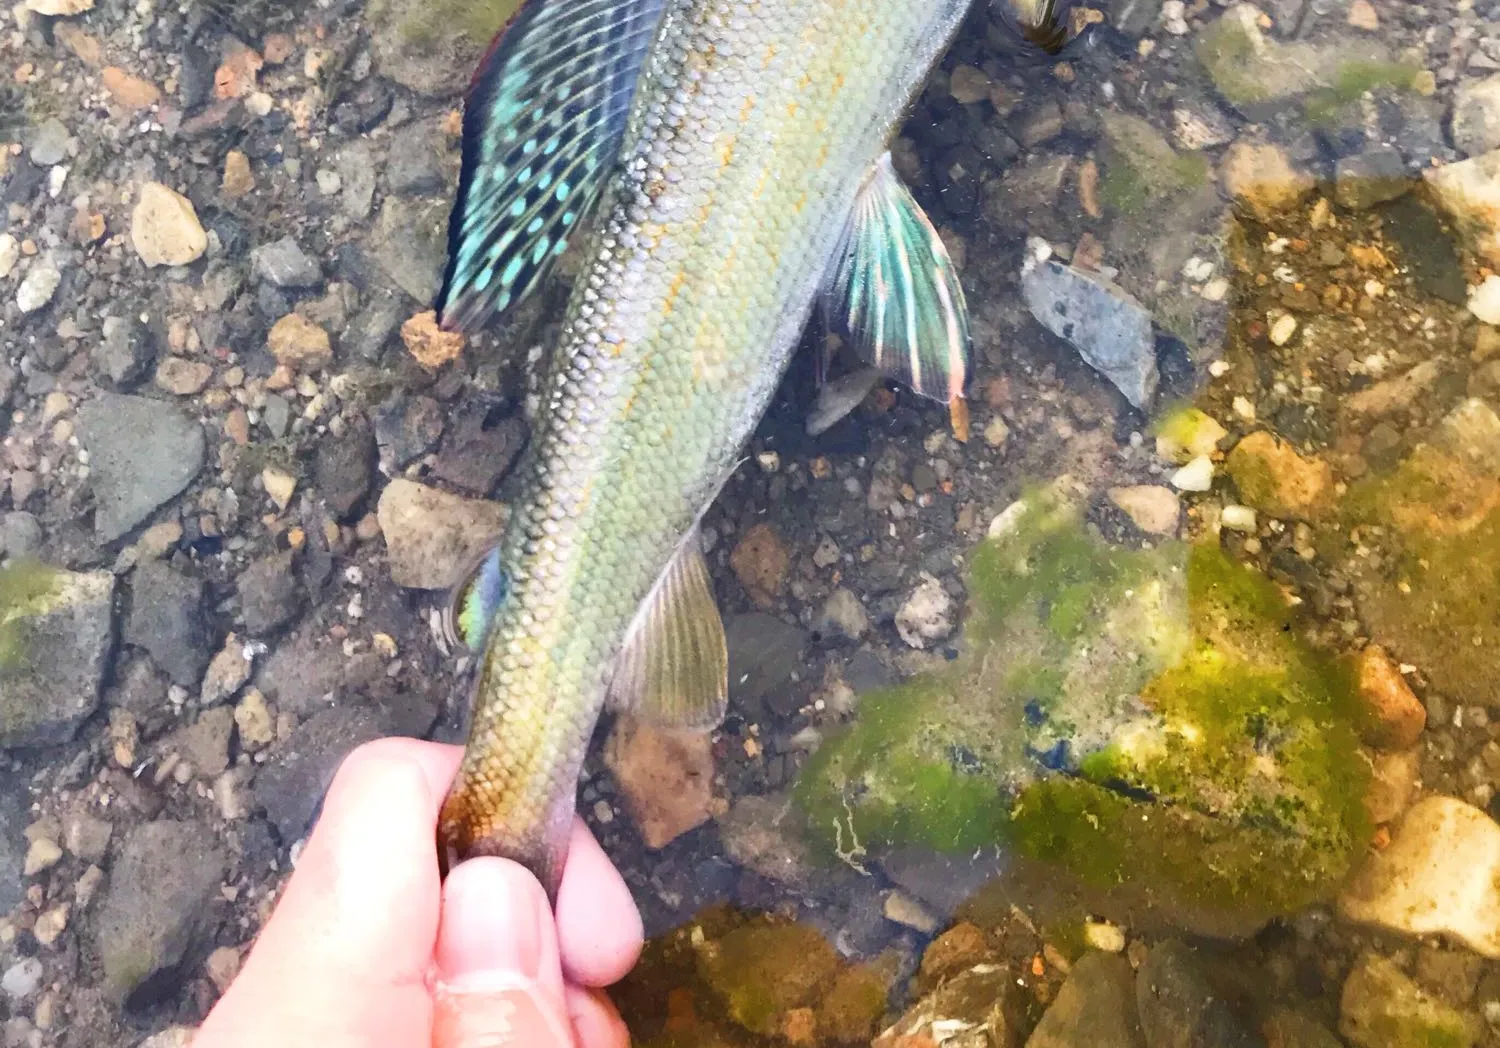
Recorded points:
(142, 453)
(431, 536)
(164, 228)
(1096, 1006)
(1476, 116)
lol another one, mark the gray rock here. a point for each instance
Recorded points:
(1476, 116)
(277, 415)
(140, 687)
(343, 469)
(843, 616)
(411, 245)
(764, 652)
(87, 837)
(355, 164)
(416, 159)
(1381, 1007)
(1373, 177)
(763, 833)
(56, 639)
(285, 265)
(20, 535)
(125, 354)
(159, 904)
(205, 743)
(291, 785)
(1179, 1009)
(371, 328)
(302, 676)
(407, 428)
(1136, 18)
(167, 619)
(268, 594)
(476, 456)
(49, 143)
(13, 820)
(421, 45)
(1109, 328)
(431, 536)
(942, 882)
(22, 979)
(142, 454)
(1096, 1006)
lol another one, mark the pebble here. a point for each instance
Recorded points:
(758, 832)
(1238, 518)
(902, 909)
(59, 8)
(22, 979)
(760, 561)
(1484, 300)
(430, 535)
(37, 287)
(183, 377)
(1261, 177)
(1440, 875)
(1197, 475)
(1393, 780)
(843, 616)
(927, 615)
(87, 837)
(228, 671)
(1476, 116)
(284, 264)
(253, 718)
(429, 344)
(10, 254)
(1096, 1006)
(1101, 935)
(171, 1037)
(299, 344)
(167, 619)
(1376, 176)
(128, 90)
(1381, 1007)
(1395, 716)
(1151, 507)
(71, 631)
(1273, 478)
(238, 180)
(43, 854)
(1469, 191)
(279, 485)
(996, 432)
(269, 594)
(666, 776)
(49, 143)
(1282, 329)
(164, 228)
(222, 966)
(50, 924)
(1362, 15)
(20, 534)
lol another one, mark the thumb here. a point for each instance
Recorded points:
(500, 973)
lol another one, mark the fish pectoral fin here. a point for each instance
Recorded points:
(474, 601)
(543, 126)
(894, 295)
(673, 670)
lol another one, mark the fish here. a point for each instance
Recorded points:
(722, 169)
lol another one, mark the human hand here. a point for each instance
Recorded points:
(367, 949)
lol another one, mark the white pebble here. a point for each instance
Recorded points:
(1238, 518)
(1244, 409)
(1104, 936)
(1197, 475)
(10, 254)
(1484, 300)
(38, 287)
(1283, 328)
(1216, 290)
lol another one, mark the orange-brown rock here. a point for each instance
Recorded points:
(1395, 716)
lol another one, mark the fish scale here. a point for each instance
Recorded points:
(753, 127)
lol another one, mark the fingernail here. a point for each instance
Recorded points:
(492, 922)
(495, 1010)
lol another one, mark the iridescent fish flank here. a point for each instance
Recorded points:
(722, 166)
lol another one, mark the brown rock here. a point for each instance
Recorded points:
(1274, 479)
(237, 74)
(1262, 178)
(1469, 191)
(83, 44)
(129, 90)
(428, 343)
(666, 776)
(59, 8)
(1392, 394)
(299, 344)
(183, 377)
(238, 179)
(237, 426)
(1395, 716)
(975, 999)
(957, 949)
(760, 562)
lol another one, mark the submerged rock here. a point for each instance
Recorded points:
(1095, 1006)
(1147, 720)
(968, 1009)
(142, 453)
(1469, 192)
(1440, 875)
(432, 536)
(56, 636)
(1178, 1007)
(763, 971)
(666, 775)
(1109, 328)
(1382, 1008)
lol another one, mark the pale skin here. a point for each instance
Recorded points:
(368, 948)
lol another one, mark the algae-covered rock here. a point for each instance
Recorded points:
(1431, 598)
(1140, 166)
(1144, 719)
(56, 634)
(764, 970)
(1382, 1008)
(432, 46)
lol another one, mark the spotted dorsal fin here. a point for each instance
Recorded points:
(543, 126)
(894, 294)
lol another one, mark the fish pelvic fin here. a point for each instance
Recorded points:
(543, 127)
(475, 601)
(673, 670)
(894, 295)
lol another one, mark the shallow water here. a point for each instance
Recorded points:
(1156, 713)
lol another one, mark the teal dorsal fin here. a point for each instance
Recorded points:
(673, 670)
(894, 293)
(543, 126)
(475, 601)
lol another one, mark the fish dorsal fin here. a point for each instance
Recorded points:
(673, 670)
(543, 125)
(894, 293)
(475, 601)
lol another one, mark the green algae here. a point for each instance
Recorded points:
(1351, 82)
(26, 587)
(1216, 753)
(1142, 168)
(477, 21)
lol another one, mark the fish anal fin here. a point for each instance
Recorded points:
(894, 293)
(673, 670)
(474, 601)
(543, 126)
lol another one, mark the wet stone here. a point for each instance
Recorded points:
(1178, 1008)
(1373, 177)
(49, 143)
(13, 820)
(764, 653)
(56, 638)
(205, 743)
(290, 786)
(268, 594)
(87, 837)
(285, 265)
(143, 453)
(1381, 1007)
(1395, 716)
(371, 329)
(414, 166)
(1263, 178)
(761, 833)
(343, 469)
(410, 244)
(1476, 116)
(477, 454)
(158, 904)
(760, 561)
(843, 616)
(20, 535)
(1096, 1006)
(126, 352)
(432, 536)
(167, 619)
(665, 775)
(407, 428)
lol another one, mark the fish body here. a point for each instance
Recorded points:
(748, 181)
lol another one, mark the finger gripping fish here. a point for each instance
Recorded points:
(726, 163)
